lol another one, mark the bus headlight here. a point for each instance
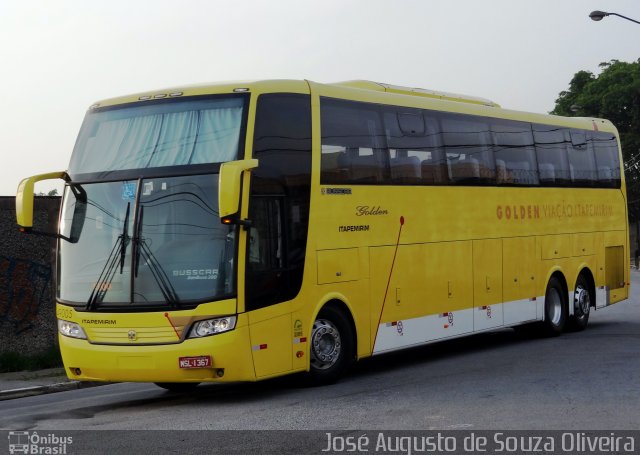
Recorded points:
(212, 326)
(71, 329)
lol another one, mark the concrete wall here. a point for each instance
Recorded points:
(27, 269)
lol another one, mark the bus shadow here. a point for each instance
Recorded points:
(297, 384)
(388, 362)
(445, 349)
(407, 358)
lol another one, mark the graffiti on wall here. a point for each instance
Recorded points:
(24, 290)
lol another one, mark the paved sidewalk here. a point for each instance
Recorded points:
(29, 383)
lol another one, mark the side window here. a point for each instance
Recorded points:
(378, 144)
(266, 234)
(353, 143)
(279, 199)
(414, 149)
(434, 166)
(551, 151)
(514, 153)
(582, 164)
(607, 159)
(467, 145)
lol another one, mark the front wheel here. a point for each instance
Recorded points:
(581, 305)
(555, 308)
(331, 346)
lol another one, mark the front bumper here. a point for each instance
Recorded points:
(230, 352)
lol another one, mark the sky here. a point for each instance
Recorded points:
(59, 57)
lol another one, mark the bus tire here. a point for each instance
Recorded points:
(178, 386)
(582, 300)
(555, 308)
(331, 346)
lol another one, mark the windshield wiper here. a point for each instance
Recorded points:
(109, 270)
(159, 275)
(125, 238)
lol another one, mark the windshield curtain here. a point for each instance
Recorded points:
(147, 243)
(165, 133)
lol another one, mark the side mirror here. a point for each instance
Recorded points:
(79, 214)
(25, 200)
(24, 197)
(229, 186)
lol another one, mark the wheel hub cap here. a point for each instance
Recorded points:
(555, 307)
(325, 344)
(582, 301)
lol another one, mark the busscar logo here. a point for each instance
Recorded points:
(33, 443)
(197, 274)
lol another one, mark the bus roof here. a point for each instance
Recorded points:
(451, 101)
(290, 85)
(368, 85)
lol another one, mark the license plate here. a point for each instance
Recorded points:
(202, 361)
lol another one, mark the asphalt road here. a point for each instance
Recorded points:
(494, 381)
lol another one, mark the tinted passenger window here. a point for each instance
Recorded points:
(353, 143)
(581, 160)
(607, 159)
(378, 144)
(551, 151)
(467, 144)
(514, 153)
(415, 147)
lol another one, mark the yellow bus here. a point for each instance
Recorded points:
(242, 231)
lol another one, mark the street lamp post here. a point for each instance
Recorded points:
(599, 15)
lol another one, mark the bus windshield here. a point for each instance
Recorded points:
(153, 243)
(171, 132)
(151, 235)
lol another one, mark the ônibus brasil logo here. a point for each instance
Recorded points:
(32, 443)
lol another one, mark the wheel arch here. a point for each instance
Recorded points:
(555, 314)
(586, 272)
(340, 303)
(560, 276)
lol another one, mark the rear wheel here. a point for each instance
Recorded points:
(178, 386)
(555, 308)
(331, 346)
(582, 300)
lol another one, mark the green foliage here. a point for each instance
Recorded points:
(567, 102)
(53, 192)
(614, 94)
(12, 361)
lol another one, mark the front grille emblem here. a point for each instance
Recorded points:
(133, 336)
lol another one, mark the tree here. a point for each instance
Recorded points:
(53, 192)
(614, 94)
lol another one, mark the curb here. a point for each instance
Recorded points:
(50, 388)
